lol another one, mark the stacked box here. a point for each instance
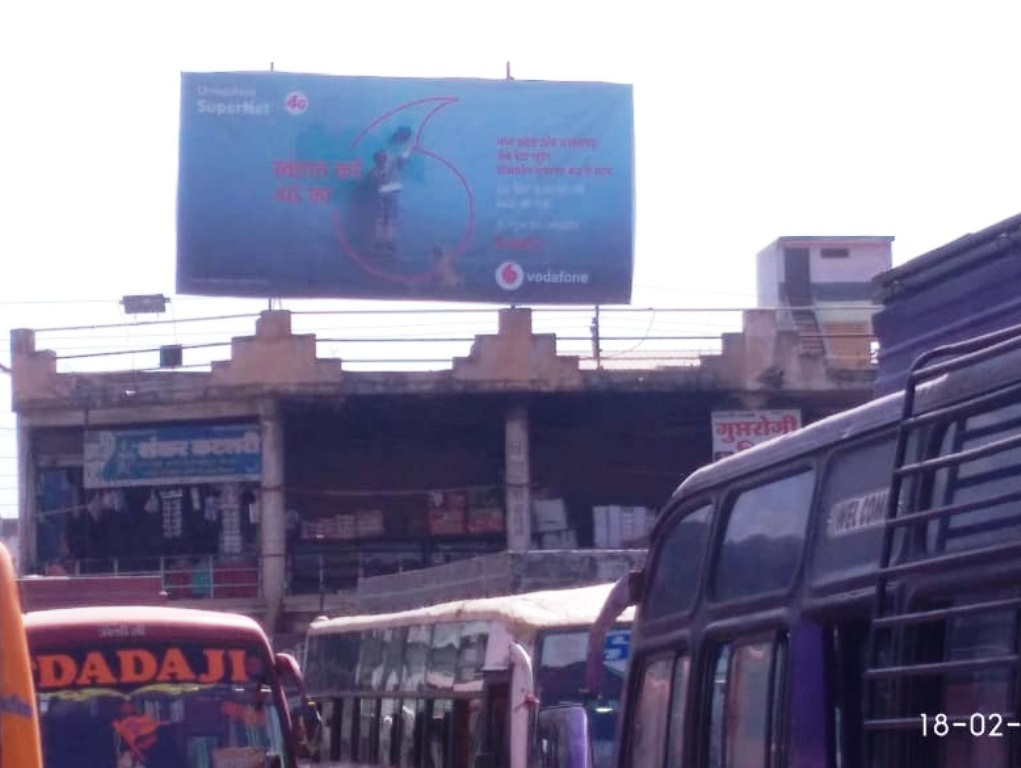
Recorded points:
(369, 523)
(558, 540)
(616, 527)
(549, 515)
(485, 512)
(447, 513)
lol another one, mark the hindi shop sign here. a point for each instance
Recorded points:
(735, 431)
(296, 185)
(172, 455)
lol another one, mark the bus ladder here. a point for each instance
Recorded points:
(897, 670)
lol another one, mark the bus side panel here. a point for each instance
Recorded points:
(20, 745)
(808, 714)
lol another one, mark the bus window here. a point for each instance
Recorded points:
(846, 649)
(348, 719)
(852, 503)
(984, 477)
(368, 730)
(467, 726)
(674, 580)
(471, 653)
(553, 741)
(745, 696)
(649, 725)
(370, 659)
(747, 728)
(441, 729)
(389, 730)
(443, 657)
(678, 710)
(331, 662)
(333, 710)
(717, 699)
(495, 736)
(416, 657)
(765, 532)
(776, 704)
(560, 676)
(562, 738)
(389, 678)
(413, 740)
(984, 692)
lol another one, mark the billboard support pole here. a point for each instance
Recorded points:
(508, 74)
(595, 338)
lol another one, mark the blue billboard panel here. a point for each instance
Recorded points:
(177, 455)
(294, 185)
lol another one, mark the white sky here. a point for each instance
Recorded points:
(753, 120)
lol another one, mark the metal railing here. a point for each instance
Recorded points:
(182, 576)
(336, 570)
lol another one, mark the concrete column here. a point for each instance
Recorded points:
(27, 548)
(517, 480)
(272, 527)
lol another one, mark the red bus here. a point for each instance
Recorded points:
(157, 687)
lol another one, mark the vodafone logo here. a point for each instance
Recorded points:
(296, 102)
(510, 276)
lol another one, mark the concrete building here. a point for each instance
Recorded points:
(827, 283)
(281, 484)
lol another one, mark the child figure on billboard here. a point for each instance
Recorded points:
(386, 177)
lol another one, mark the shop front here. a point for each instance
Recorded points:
(390, 485)
(180, 500)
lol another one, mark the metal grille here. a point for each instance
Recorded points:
(945, 563)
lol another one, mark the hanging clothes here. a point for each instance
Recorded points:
(231, 542)
(172, 500)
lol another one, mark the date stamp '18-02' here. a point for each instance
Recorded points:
(977, 724)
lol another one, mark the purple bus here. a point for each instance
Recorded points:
(845, 595)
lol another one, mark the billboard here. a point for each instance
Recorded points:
(177, 455)
(294, 185)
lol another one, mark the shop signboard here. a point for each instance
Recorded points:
(735, 431)
(172, 455)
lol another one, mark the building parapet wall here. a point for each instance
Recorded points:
(766, 356)
(518, 356)
(274, 357)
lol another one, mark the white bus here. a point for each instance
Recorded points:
(469, 684)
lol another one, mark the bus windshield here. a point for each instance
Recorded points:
(561, 673)
(561, 679)
(159, 705)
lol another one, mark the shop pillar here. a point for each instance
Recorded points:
(27, 510)
(272, 524)
(517, 480)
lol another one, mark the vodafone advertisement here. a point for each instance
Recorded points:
(302, 185)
